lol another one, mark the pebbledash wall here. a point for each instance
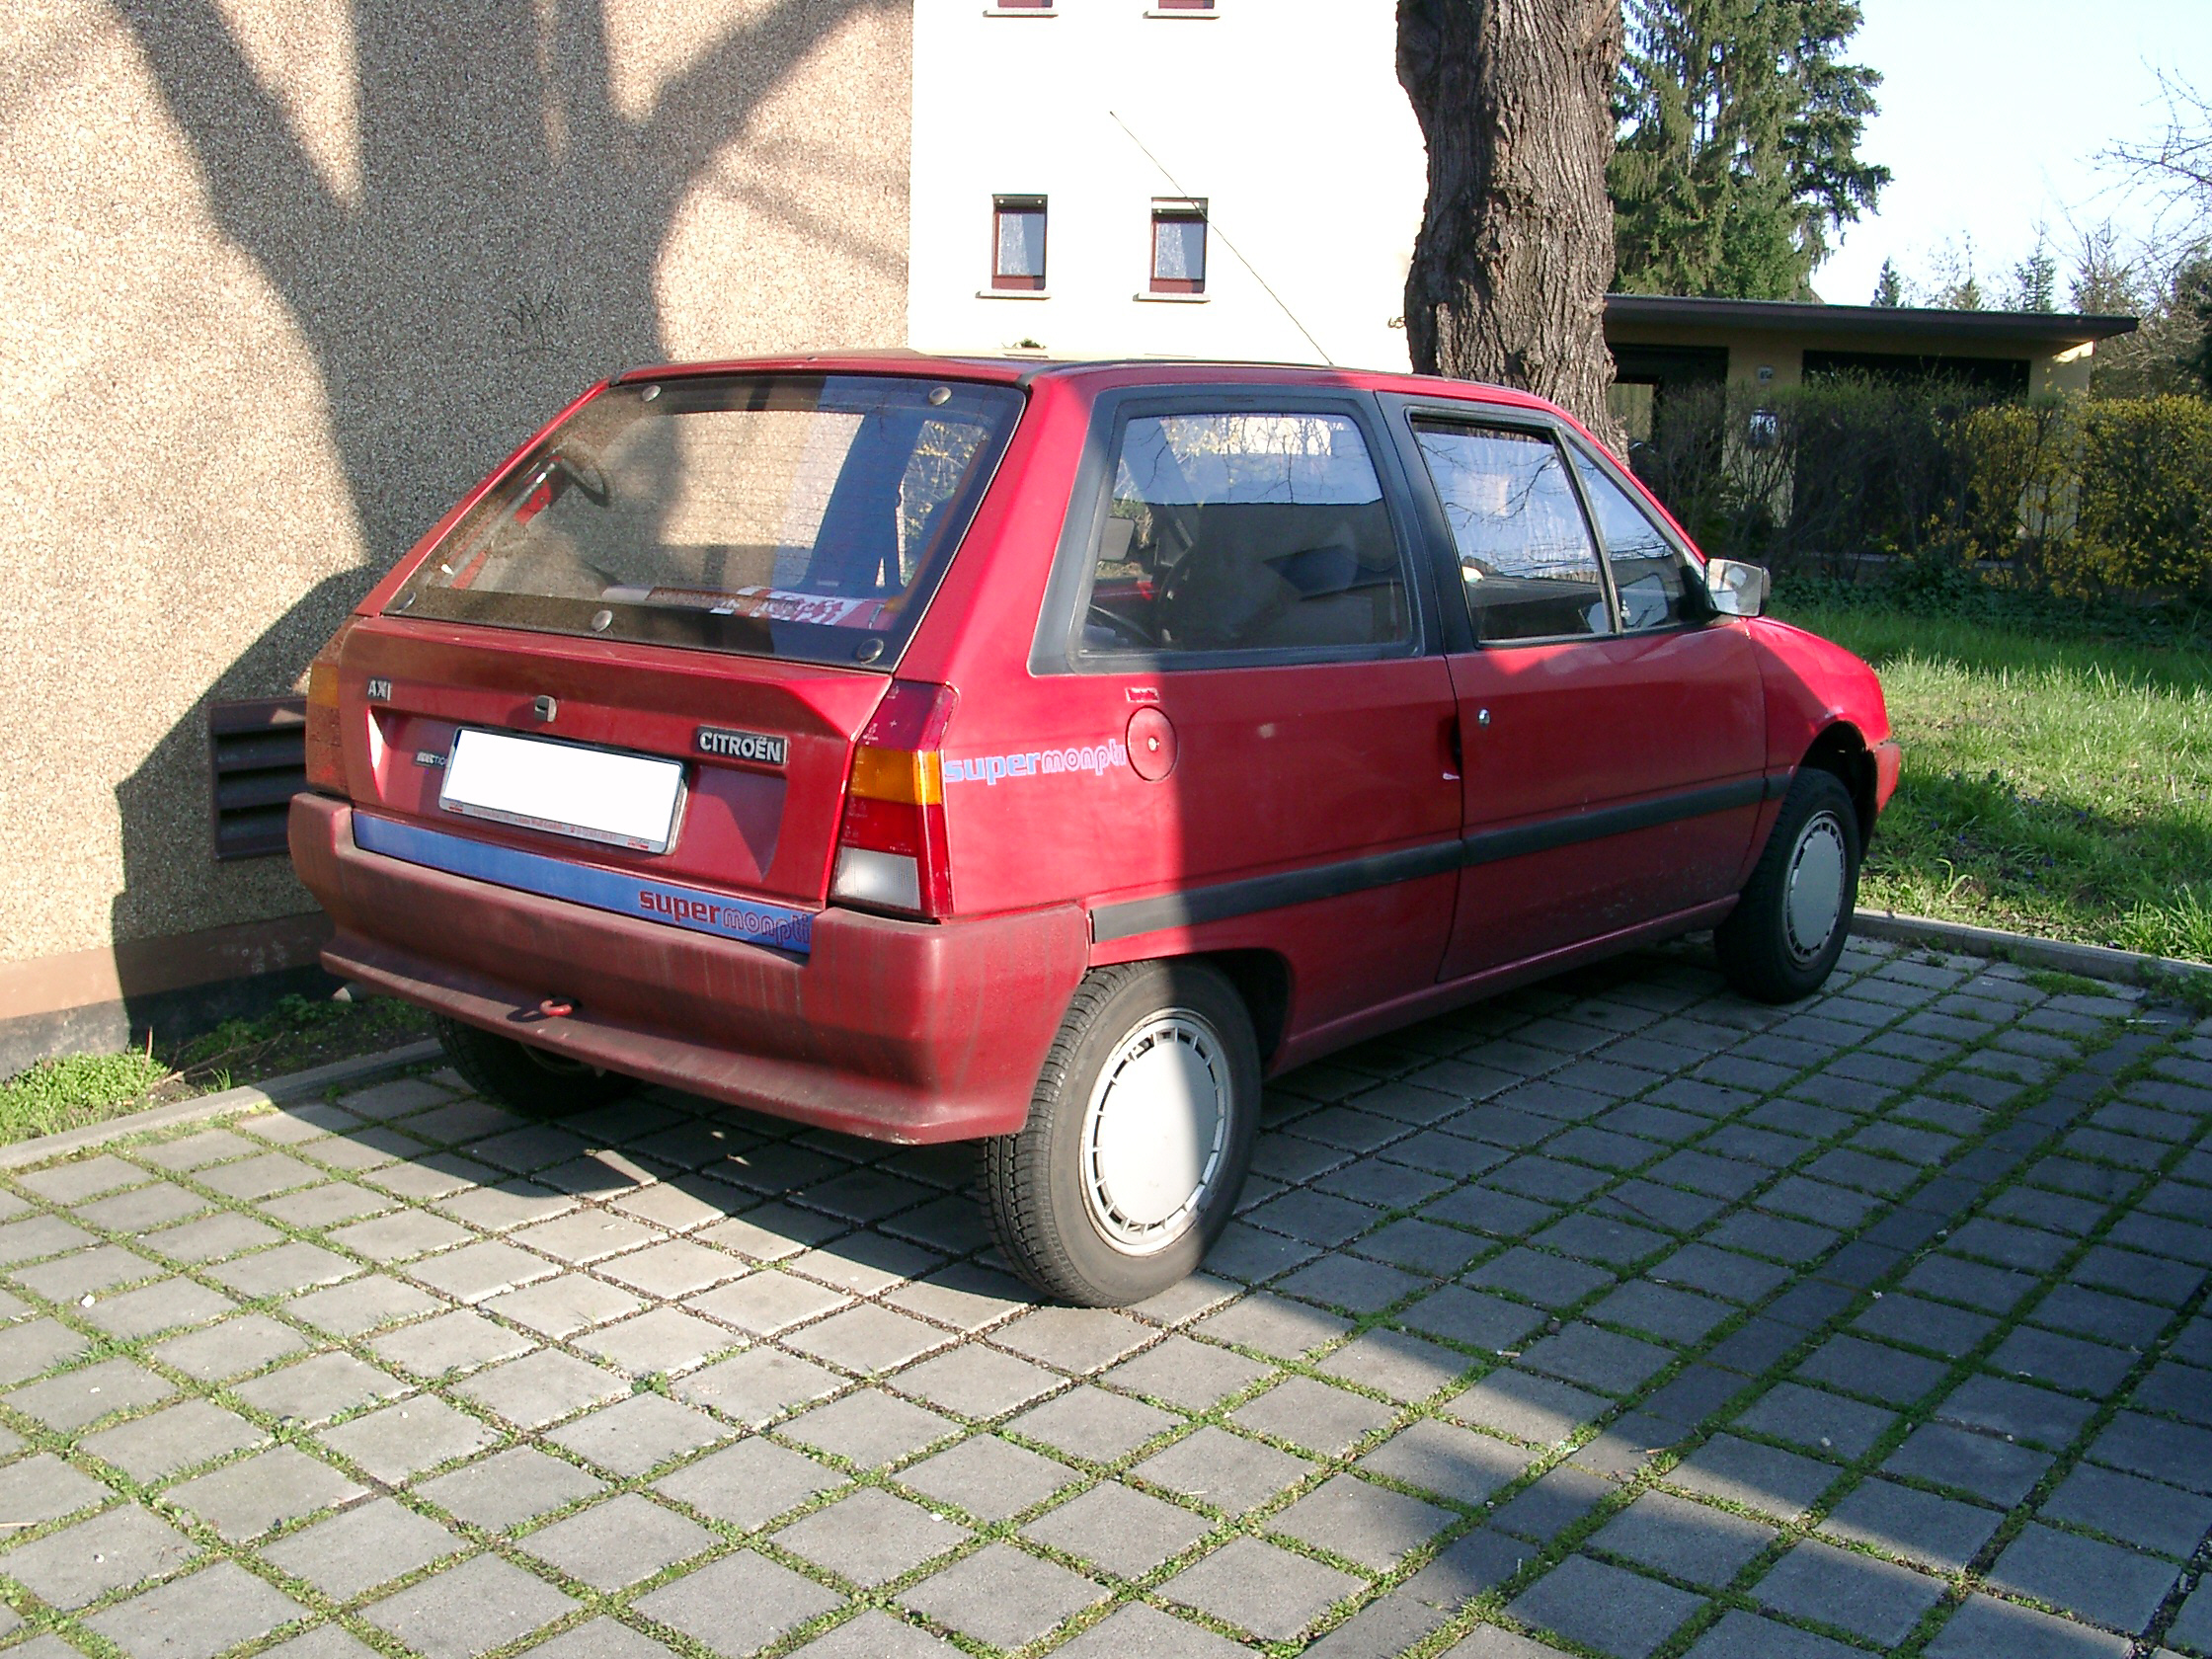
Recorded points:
(281, 279)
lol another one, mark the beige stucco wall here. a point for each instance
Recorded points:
(2050, 368)
(282, 278)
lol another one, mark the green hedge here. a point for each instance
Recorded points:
(2079, 498)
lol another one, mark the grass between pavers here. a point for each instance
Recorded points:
(76, 1090)
(1407, 1059)
(2059, 787)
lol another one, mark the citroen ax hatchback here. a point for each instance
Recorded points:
(1042, 756)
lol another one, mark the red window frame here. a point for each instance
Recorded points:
(1180, 213)
(1001, 206)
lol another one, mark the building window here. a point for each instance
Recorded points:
(1175, 5)
(1021, 5)
(1018, 242)
(1179, 247)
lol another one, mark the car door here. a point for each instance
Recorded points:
(1253, 600)
(1611, 733)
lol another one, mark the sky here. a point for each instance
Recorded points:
(1993, 112)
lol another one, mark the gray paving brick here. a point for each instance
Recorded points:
(870, 1428)
(1877, 1600)
(1092, 1423)
(1683, 1540)
(1996, 1471)
(1547, 1280)
(1313, 1415)
(1259, 1588)
(2017, 1409)
(1191, 1375)
(174, 1439)
(1451, 1461)
(1141, 1631)
(1527, 1407)
(2099, 1581)
(509, 1487)
(638, 1434)
(197, 1617)
(2063, 1362)
(603, 1638)
(1271, 1325)
(467, 1609)
(619, 1543)
(1760, 1478)
(1815, 1418)
(319, 1388)
(1222, 1471)
(755, 1386)
(456, 1341)
(2179, 1452)
(210, 1238)
(2148, 1513)
(361, 1306)
(540, 1388)
(1933, 1325)
(1123, 1532)
(1602, 1360)
(989, 1477)
(1918, 1526)
(2192, 1628)
(360, 1548)
(768, 1302)
(83, 1397)
(230, 1349)
(561, 1305)
(1985, 1625)
(97, 1557)
(1543, 1510)
(1746, 1636)
(400, 1441)
(246, 1499)
(1606, 1608)
(1362, 1521)
(1722, 1273)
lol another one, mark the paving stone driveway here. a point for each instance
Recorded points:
(1618, 1316)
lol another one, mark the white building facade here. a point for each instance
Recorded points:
(1237, 178)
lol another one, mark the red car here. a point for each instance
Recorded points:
(944, 750)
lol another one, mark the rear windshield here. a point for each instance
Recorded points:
(790, 516)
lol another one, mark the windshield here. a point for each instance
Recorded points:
(788, 516)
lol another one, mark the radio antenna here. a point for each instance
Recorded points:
(1214, 229)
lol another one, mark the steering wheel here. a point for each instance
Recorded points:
(1119, 623)
(584, 473)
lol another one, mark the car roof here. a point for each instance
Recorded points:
(1100, 374)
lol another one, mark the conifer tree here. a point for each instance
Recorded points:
(1889, 287)
(1738, 153)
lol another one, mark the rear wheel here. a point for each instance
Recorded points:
(1782, 938)
(545, 1085)
(1138, 1135)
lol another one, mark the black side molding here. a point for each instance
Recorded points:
(1225, 899)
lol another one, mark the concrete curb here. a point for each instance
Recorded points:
(275, 1091)
(2096, 962)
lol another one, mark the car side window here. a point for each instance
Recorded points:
(1240, 531)
(1647, 568)
(1526, 558)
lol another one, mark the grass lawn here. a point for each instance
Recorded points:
(2060, 787)
(81, 1089)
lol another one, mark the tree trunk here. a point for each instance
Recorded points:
(1509, 275)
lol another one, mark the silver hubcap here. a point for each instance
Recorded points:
(1815, 901)
(1155, 1132)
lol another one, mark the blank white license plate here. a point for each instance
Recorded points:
(593, 794)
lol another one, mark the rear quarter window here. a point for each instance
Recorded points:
(1241, 531)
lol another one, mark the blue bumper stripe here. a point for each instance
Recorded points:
(718, 913)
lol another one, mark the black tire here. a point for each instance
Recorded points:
(545, 1085)
(1767, 948)
(1049, 1189)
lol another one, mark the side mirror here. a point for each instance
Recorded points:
(1735, 588)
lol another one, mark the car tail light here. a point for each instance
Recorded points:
(891, 846)
(326, 745)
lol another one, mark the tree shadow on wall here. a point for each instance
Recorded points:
(494, 252)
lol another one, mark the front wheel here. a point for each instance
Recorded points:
(1138, 1137)
(545, 1085)
(1782, 938)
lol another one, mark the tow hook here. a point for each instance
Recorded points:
(555, 1007)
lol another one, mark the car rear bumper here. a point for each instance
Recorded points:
(893, 1030)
